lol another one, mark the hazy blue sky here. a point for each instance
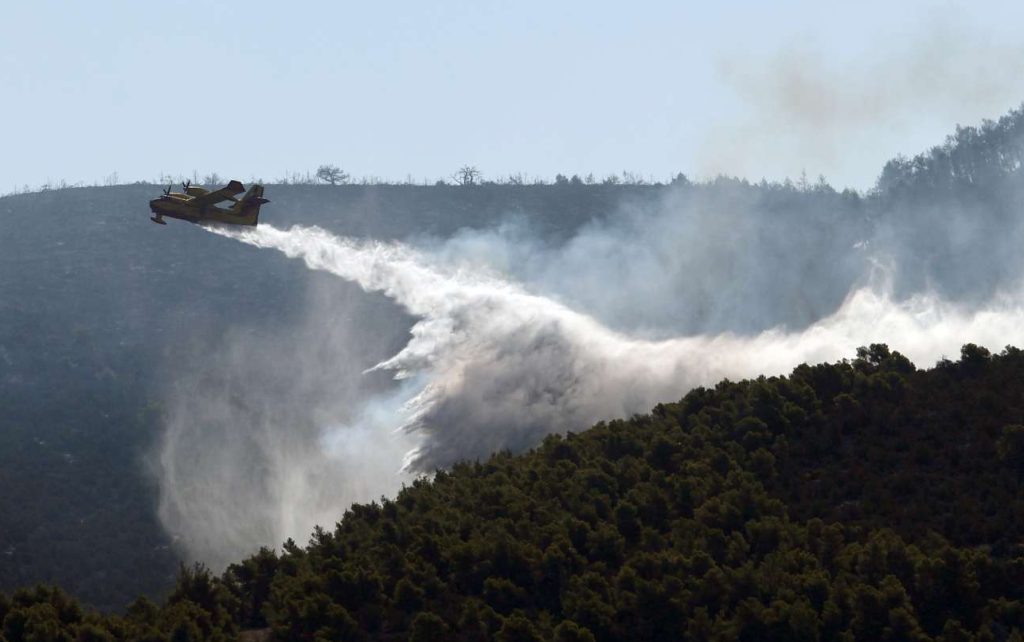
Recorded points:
(396, 89)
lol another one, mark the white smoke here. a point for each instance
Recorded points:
(804, 109)
(499, 367)
(491, 364)
(252, 451)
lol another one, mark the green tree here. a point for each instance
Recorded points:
(428, 627)
(1010, 448)
(517, 629)
(569, 631)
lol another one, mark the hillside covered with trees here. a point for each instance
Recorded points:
(100, 311)
(96, 308)
(864, 499)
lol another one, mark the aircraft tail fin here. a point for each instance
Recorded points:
(248, 207)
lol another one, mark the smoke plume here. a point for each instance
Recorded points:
(504, 348)
(500, 367)
(804, 110)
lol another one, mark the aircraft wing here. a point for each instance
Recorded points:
(226, 193)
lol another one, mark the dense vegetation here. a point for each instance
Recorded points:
(101, 311)
(96, 308)
(860, 500)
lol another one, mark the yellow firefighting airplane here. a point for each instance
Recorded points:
(197, 205)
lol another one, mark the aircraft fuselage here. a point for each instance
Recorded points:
(177, 206)
(197, 205)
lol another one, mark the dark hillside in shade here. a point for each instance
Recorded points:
(802, 507)
(97, 306)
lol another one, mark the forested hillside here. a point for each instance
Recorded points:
(860, 500)
(101, 311)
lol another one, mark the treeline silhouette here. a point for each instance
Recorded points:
(864, 500)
